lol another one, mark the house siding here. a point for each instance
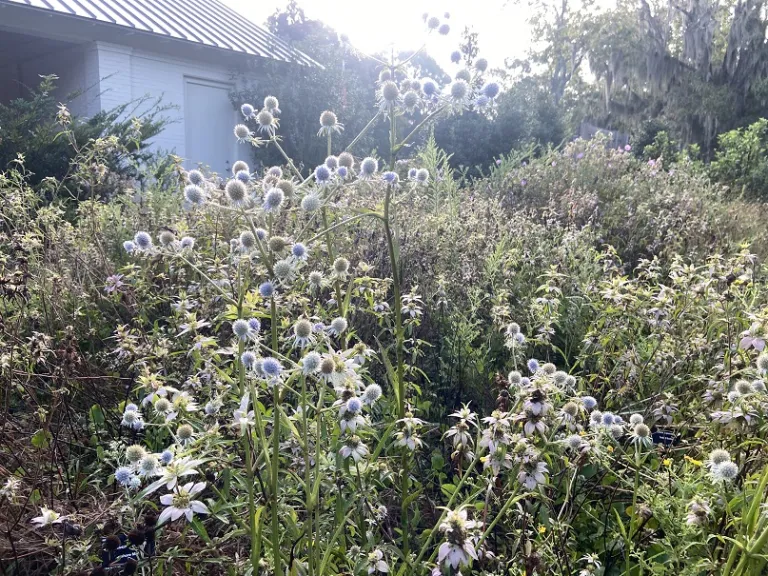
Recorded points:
(129, 73)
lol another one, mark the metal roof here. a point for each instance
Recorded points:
(207, 22)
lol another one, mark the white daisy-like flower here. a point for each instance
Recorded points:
(170, 475)
(242, 418)
(47, 517)
(376, 562)
(354, 448)
(181, 503)
(532, 476)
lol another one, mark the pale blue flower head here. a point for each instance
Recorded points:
(589, 402)
(491, 90)
(273, 199)
(533, 366)
(422, 175)
(429, 87)
(254, 324)
(391, 178)
(123, 475)
(241, 329)
(332, 162)
(342, 172)
(311, 362)
(311, 202)
(244, 176)
(608, 418)
(354, 405)
(187, 243)
(275, 171)
(368, 168)
(237, 192)
(299, 251)
(372, 393)
(322, 174)
(143, 240)
(261, 234)
(412, 174)
(247, 110)
(248, 359)
(129, 246)
(166, 457)
(267, 289)
(455, 56)
(271, 367)
(444, 29)
(195, 177)
(482, 101)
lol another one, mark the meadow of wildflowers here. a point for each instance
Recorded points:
(373, 367)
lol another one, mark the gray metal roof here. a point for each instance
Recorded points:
(207, 22)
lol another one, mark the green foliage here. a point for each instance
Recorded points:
(740, 161)
(48, 137)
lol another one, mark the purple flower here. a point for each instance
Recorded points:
(523, 182)
(627, 148)
(113, 283)
(580, 155)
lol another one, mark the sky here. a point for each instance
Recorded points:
(376, 26)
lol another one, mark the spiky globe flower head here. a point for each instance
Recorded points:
(607, 419)
(342, 172)
(717, 457)
(744, 387)
(247, 239)
(273, 199)
(142, 240)
(429, 87)
(123, 476)
(725, 472)
(338, 325)
(416, 85)
(275, 171)
(287, 187)
(354, 405)
(248, 359)
(459, 92)
(242, 133)
(254, 325)
(412, 174)
(302, 333)
(433, 22)
(368, 168)
(758, 386)
(163, 405)
(195, 177)
(347, 160)
(267, 289)
(236, 192)
(491, 90)
(268, 182)
(239, 166)
(391, 179)
(271, 103)
(129, 246)
(422, 176)
(385, 75)
(184, 432)
(194, 194)
(533, 366)
(271, 368)
(329, 124)
(762, 362)
(410, 100)
(481, 64)
(589, 402)
(283, 270)
(464, 74)
(311, 202)
(455, 56)
(241, 329)
(315, 279)
(267, 122)
(341, 266)
(444, 29)
(187, 243)
(134, 453)
(371, 394)
(247, 110)
(310, 363)
(549, 368)
(571, 409)
(149, 465)
(514, 378)
(323, 175)
(405, 85)
(166, 457)
(166, 238)
(641, 434)
(636, 419)
(390, 92)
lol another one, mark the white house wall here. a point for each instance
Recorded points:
(130, 73)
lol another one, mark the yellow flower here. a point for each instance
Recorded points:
(667, 462)
(610, 449)
(692, 461)
(542, 529)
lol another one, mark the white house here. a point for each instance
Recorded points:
(115, 51)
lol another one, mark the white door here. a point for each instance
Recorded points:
(209, 120)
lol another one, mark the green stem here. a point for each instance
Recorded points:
(418, 127)
(363, 132)
(307, 470)
(332, 257)
(275, 451)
